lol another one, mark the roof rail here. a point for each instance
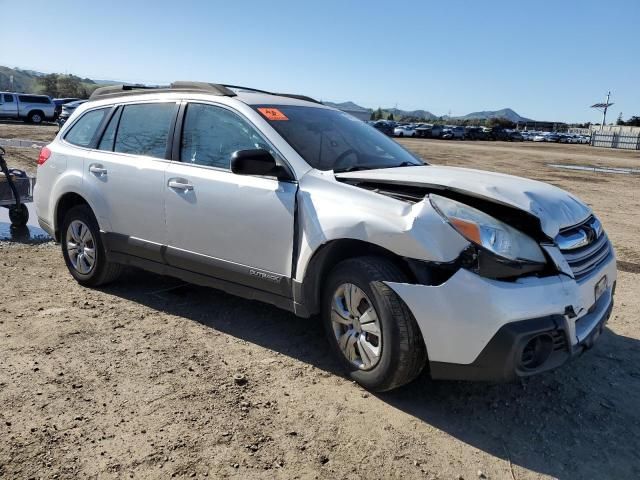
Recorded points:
(179, 86)
(289, 95)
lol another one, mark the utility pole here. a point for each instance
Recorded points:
(604, 107)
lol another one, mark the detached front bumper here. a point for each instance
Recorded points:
(481, 329)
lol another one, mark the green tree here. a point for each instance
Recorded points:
(390, 117)
(633, 121)
(500, 122)
(48, 84)
(620, 121)
(69, 86)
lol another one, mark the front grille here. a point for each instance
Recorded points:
(595, 250)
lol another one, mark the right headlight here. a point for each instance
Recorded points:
(487, 232)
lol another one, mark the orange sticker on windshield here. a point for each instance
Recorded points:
(272, 114)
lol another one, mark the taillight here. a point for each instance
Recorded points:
(45, 153)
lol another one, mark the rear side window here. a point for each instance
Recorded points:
(144, 129)
(8, 98)
(34, 99)
(83, 131)
(212, 134)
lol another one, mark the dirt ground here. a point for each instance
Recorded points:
(137, 379)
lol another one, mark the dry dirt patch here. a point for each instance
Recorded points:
(137, 379)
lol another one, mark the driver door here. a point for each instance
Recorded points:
(233, 227)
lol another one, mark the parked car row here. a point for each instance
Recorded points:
(457, 132)
(556, 137)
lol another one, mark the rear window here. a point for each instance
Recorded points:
(8, 98)
(83, 130)
(34, 99)
(144, 129)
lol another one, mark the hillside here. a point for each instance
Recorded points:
(27, 81)
(23, 80)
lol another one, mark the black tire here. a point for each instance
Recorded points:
(103, 270)
(401, 134)
(403, 353)
(36, 117)
(19, 216)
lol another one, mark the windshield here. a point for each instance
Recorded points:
(333, 140)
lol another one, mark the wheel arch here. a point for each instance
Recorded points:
(33, 112)
(327, 256)
(64, 204)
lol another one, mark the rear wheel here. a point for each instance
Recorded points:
(83, 250)
(36, 117)
(370, 329)
(18, 215)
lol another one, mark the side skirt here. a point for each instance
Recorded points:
(204, 280)
(226, 276)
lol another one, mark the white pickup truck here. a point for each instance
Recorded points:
(30, 108)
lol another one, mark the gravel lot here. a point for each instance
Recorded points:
(137, 379)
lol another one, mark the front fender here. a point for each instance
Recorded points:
(330, 210)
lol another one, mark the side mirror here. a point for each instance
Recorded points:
(258, 162)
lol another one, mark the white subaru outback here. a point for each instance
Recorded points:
(278, 198)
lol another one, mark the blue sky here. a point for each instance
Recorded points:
(546, 60)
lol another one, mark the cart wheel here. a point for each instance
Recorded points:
(19, 215)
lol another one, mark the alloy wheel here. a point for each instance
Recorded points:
(81, 247)
(356, 326)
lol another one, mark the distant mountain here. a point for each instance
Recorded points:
(397, 113)
(506, 113)
(347, 106)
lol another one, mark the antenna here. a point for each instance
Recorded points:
(603, 108)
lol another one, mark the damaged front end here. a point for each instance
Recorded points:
(478, 256)
(523, 295)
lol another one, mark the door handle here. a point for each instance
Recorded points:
(180, 184)
(97, 169)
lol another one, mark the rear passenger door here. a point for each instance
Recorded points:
(126, 175)
(234, 227)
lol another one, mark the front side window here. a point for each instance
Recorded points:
(83, 131)
(332, 140)
(8, 98)
(144, 129)
(212, 134)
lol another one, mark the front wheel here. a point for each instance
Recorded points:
(83, 250)
(370, 329)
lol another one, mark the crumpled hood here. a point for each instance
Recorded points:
(554, 207)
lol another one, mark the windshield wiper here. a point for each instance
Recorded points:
(355, 168)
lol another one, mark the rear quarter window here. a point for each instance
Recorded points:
(84, 129)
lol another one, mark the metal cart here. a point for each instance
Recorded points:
(16, 189)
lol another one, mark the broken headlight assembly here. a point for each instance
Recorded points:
(498, 250)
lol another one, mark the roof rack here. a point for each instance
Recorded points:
(184, 86)
(179, 86)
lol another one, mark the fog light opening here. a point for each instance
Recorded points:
(536, 352)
